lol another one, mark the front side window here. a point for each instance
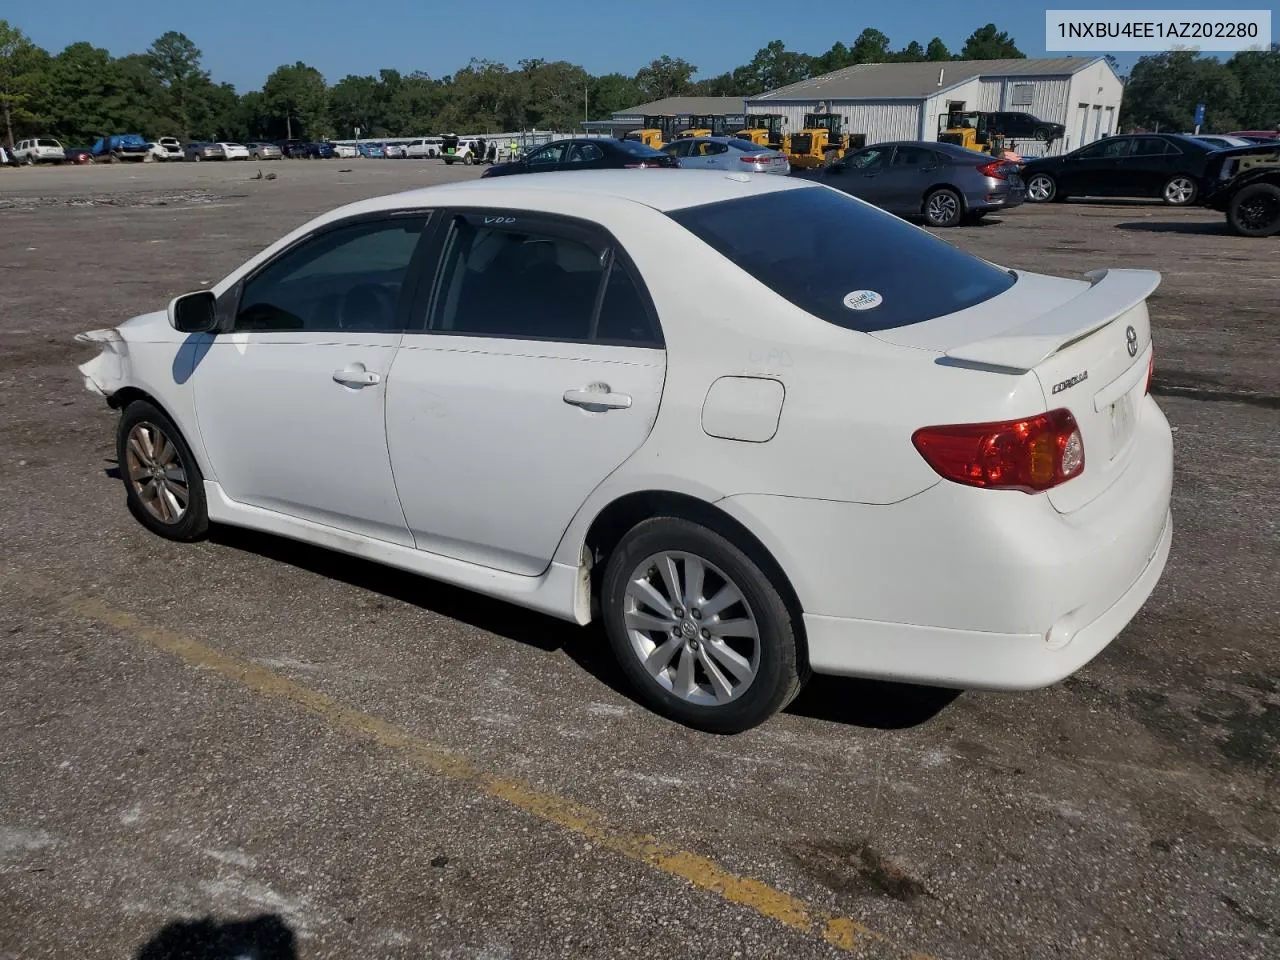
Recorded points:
(347, 278)
(1110, 149)
(867, 159)
(847, 251)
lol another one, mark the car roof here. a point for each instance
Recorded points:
(664, 190)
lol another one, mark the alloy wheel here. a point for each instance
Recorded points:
(1040, 188)
(156, 473)
(1179, 190)
(691, 628)
(943, 207)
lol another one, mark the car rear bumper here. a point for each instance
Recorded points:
(969, 587)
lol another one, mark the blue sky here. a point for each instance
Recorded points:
(244, 40)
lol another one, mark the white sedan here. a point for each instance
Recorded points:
(609, 393)
(233, 151)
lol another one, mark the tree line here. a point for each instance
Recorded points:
(83, 92)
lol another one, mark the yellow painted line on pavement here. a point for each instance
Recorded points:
(791, 911)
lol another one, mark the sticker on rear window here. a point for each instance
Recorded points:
(862, 300)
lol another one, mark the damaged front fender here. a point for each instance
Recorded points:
(105, 373)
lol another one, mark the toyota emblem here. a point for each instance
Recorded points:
(1131, 335)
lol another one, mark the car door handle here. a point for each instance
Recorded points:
(356, 378)
(597, 396)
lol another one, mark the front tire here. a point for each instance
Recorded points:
(1255, 210)
(700, 631)
(1041, 188)
(1180, 191)
(163, 484)
(943, 208)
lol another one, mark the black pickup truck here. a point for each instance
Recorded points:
(1244, 183)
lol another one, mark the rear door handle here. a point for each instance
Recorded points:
(356, 377)
(597, 396)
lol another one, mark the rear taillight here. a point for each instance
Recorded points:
(1028, 455)
(997, 169)
(1151, 369)
(761, 159)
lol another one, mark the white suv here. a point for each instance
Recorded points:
(39, 150)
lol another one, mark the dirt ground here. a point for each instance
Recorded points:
(324, 758)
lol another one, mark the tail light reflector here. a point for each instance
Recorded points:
(753, 159)
(1151, 369)
(1028, 455)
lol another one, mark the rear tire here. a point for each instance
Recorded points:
(699, 667)
(1255, 211)
(943, 208)
(163, 484)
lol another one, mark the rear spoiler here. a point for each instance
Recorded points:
(1112, 293)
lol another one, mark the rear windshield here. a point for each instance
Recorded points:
(637, 149)
(843, 260)
(47, 143)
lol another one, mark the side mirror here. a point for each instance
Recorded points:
(194, 312)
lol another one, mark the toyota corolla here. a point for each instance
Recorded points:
(860, 451)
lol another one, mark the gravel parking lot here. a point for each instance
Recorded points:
(313, 753)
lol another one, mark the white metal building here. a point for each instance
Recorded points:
(903, 101)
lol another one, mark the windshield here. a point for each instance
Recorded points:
(852, 264)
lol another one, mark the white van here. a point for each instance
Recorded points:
(39, 150)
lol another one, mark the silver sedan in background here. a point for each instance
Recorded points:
(727, 153)
(264, 151)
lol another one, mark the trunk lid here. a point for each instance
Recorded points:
(1087, 344)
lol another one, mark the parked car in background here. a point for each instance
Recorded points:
(79, 155)
(172, 145)
(318, 150)
(371, 151)
(292, 148)
(120, 147)
(39, 150)
(1024, 126)
(1219, 140)
(345, 151)
(157, 152)
(234, 151)
(263, 151)
(1165, 165)
(553, 430)
(943, 182)
(586, 153)
(1258, 136)
(197, 151)
(727, 153)
(394, 151)
(423, 148)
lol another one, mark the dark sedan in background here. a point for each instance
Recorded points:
(585, 153)
(1165, 165)
(942, 182)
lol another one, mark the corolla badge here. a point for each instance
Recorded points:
(1131, 335)
(862, 300)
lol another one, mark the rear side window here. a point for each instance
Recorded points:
(637, 149)
(851, 264)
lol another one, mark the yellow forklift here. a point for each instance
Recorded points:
(972, 130)
(820, 142)
(765, 130)
(711, 125)
(656, 131)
